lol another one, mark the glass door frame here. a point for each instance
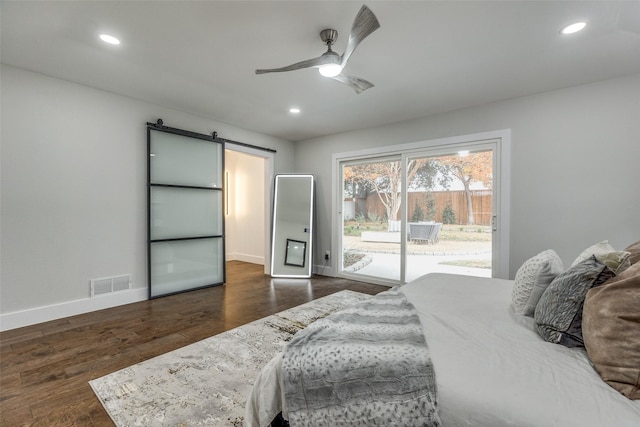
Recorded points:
(477, 146)
(177, 180)
(498, 141)
(394, 157)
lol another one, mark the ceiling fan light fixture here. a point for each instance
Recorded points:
(109, 39)
(574, 28)
(330, 70)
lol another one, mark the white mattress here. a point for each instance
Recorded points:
(492, 369)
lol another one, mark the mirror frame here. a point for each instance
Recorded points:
(280, 251)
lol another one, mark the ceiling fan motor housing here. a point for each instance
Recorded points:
(329, 36)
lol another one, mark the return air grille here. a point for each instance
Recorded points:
(107, 285)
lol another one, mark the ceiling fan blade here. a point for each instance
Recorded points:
(309, 63)
(356, 83)
(364, 24)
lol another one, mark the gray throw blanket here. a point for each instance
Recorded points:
(367, 365)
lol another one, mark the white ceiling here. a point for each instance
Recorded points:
(428, 56)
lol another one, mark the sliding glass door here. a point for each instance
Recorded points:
(421, 211)
(449, 209)
(371, 218)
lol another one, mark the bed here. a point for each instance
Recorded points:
(492, 367)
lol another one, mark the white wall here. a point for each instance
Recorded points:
(73, 189)
(73, 198)
(574, 164)
(245, 225)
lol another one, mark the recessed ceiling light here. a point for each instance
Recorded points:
(294, 110)
(573, 28)
(109, 39)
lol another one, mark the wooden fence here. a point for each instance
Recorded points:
(481, 201)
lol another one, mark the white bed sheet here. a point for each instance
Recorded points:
(492, 368)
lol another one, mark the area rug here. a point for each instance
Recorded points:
(207, 383)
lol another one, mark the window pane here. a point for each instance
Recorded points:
(183, 212)
(449, 210)
(181, 160)
(182, 265)
(371, 219)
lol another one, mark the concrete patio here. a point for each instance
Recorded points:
(383, 258)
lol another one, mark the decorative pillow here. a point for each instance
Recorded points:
(616, 261)
(526, 277)
(634, 248)
(611, 330)
(600, 248)
(558, 314)
(545, 276)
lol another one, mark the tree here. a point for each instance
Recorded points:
(418, 214)
(448, 215)
(354, 187)
(429, 211)
(385, 179)
(430, 203)
(468, 168)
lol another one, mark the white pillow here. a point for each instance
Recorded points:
(526, 276)
(601, 248)
(548, 271)
(616, 261)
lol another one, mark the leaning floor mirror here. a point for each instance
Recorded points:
(292, 232)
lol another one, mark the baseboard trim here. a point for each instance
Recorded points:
(324, 270)
(19, 319)
(253, 259)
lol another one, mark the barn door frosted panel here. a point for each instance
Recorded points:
(185, 212)
(185, 227)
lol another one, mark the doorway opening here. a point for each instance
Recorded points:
(248, 175)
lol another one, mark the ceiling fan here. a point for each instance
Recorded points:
(330, 64)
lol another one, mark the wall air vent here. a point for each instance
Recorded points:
(107, 285)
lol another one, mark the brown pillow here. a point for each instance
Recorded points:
(634, 248)
(611, 331)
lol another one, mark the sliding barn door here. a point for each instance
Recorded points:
(185, 211)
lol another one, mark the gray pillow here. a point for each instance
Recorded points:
(558, 314)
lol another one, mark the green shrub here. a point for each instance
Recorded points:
(418, 214)
(448, 215)
(430, 202)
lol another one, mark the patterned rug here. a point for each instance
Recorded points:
(207, 383)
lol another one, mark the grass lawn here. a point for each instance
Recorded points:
(453, 238)
(450, 232)
(474, 263)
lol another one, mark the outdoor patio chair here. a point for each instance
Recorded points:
(419, 233)
(424, 232)
(433, 236)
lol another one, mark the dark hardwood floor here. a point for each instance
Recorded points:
(45, 368)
